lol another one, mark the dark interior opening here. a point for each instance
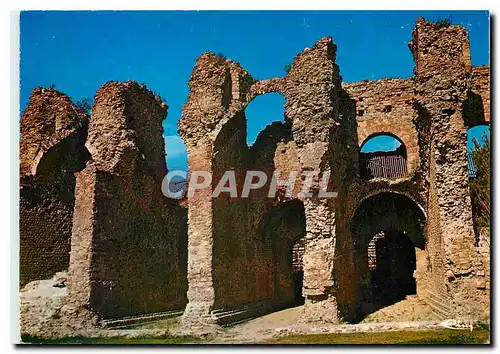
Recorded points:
(387, 228)
(391, 267)
(298, 271)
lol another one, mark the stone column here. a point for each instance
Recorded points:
(313, 86)
(209, 98)
(201, 295)
(442, 72)
(319, 287)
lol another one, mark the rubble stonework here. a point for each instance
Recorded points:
(443, 81)
(226, 258)
(328, 125)
(53, 133)
(128, 241)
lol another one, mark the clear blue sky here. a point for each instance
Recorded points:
(80, 51)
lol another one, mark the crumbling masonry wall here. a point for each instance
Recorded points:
(53, 133)
(128, 245)
(442, 81)
(386, 106)
(328, 124)
(224, 235)
(91, 190)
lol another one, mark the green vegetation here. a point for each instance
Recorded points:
(443, 22)
(480, 186)
(85, 104)
(167, 323)
(118, 340)
(287, 68)
(447, 336)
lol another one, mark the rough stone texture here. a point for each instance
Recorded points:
(128, 242)
(386, 106)
(325, 126)
(225, 237)
(53, 133)
(91, 201)
(479, 97)
(129, 248)
(443, 71)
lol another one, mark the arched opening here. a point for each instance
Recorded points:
(388, 236)
(261, 112)
(46, 205)
(284, 228)
(382, 155)
(392, 262)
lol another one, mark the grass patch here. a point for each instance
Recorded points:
(114, 340)
(447, 336)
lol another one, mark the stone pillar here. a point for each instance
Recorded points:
(79, 273)
(125, 240)
(319, 286)
(313, 87)
(442, 72)
(209, 97)
(201, 294)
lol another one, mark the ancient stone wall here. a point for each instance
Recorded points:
(442, 69)
(128, 253)
(386, 106)
(53, 133)
(476, 109)
(134, 251)
(213, 122)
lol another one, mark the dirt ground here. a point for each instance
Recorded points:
(410, 310)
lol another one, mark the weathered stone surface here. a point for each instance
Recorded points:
(53, 133)
(326, 123)
(233, 258)
(131, 253)
(127, 255)
(443, 72)
(124, 243)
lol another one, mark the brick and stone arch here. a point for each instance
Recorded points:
(395, 215)
(386, 106)
(53, 133)
(212, 127)
(128, 246)
(130, 251)
(383, 164)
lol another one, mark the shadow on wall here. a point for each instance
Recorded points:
(386, 229)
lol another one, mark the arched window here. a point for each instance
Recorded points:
(388, 232)
(382, 155)
(262, 111)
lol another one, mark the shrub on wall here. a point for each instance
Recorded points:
(480, 186)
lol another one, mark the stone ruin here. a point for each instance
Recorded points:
(91, 200)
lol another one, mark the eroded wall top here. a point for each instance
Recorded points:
(126, 128)
(49, 118)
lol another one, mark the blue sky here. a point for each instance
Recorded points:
(80, 51)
